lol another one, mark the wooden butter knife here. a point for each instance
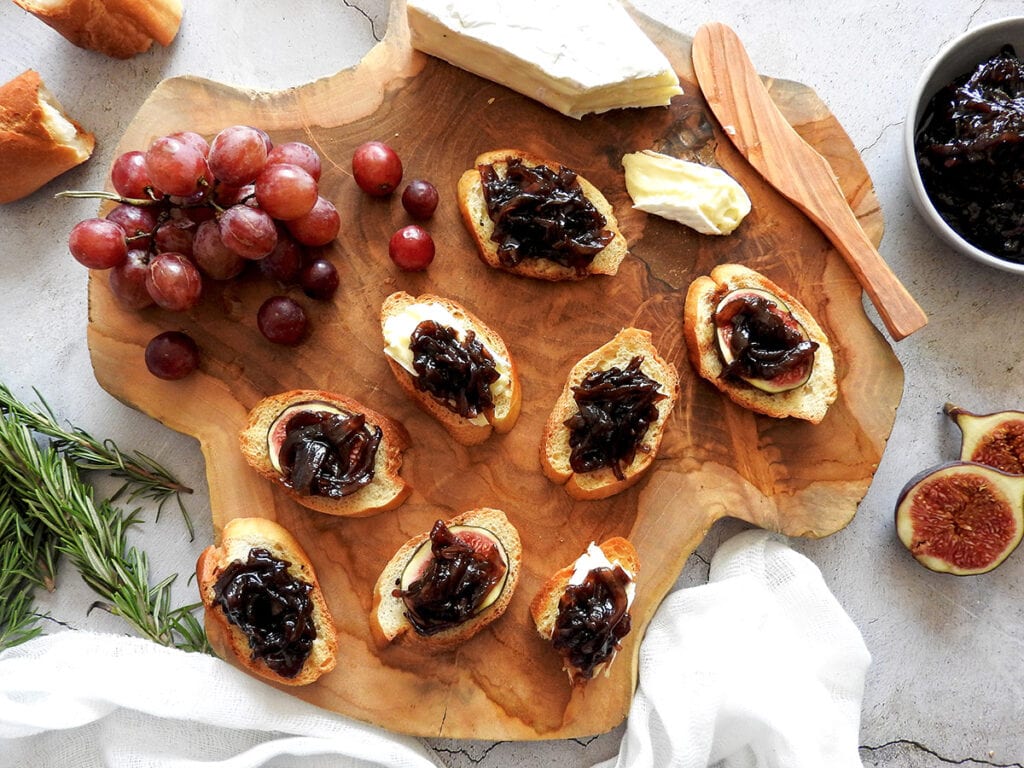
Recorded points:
(749, 117)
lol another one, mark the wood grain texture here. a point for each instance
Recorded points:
(716, 459)
(738, 99)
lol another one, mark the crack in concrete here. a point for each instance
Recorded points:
(941, 758)
(881, 134)
(464, 752)
(365, 15)
(975, 12)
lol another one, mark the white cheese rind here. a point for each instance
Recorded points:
(398, 328)
(593, 559)
(705, 199)
(578, 56)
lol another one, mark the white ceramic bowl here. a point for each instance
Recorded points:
(960, 56)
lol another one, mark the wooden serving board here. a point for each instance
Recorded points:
(716, 460)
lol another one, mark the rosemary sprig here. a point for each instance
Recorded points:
(143, 477)
(26, 561)
(93, 536)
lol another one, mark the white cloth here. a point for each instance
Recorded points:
(760, 667)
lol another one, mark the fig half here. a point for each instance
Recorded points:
(961, 518)
(995, 439)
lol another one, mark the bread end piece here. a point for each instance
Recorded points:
(809, 401)
(507, 405)
(474, 213)
(38, 140)
(239, 536)
(116, 28)
(386, 491)
(544, 606)
(388, 623)
(554, 449)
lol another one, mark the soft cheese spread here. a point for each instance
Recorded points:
(578, 57)
(593, 559)
(398, 329)
(705, 199)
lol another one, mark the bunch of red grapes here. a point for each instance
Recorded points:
(191, 210)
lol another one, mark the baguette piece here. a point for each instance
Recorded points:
(117, 28)
(544, 608)
(555, 449)
(389, 621)
(386, 489)
(38, 140)
(400, 315)
(239, 537)
(473, 206)
(810, 401)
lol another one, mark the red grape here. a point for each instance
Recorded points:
(297, 153)
(194, 140)
(319, 279)
(174, 282)
(98, 243)
(319, 226)
(212, 256)
(128, 280)
(411, 248)
(172, 355)
(176, 168)
(175, 235)
(130, 177)
(284, 262)
(286, 191)
(377, 168)
(137, 222)
(420, 199)
(238, 154)
(282, 320)
(249, 232)
(243, 195)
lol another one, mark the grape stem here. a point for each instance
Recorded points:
(97, 194)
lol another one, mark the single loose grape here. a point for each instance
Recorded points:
(411, 248)
(377, 168)
(282, 320)
(420, 199)
(172, 355)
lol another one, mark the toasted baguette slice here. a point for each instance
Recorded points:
(386, 490)
(117, 28)
(481, 227)
(555, 451)
(38, 141)
(388, 621)
(544, 606)
(399, 316)
(809, 401)
(239, 536)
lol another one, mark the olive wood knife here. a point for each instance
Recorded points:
(749, 117)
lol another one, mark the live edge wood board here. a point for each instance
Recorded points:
(716, 459)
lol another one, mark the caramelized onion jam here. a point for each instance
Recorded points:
(328, 454)
(271, 607)
(454, 584)
(765, 341)
(458, 373)
(542, 213)
(615, 408)
(970, 151)
(593, 618)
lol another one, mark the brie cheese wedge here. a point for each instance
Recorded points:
(705, 199)
(577, 56)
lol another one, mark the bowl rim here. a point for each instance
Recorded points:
(918, 193)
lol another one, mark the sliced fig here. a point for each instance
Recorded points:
(279, 426)
(480, 539)
(961, 518)
(775, 344)
(995, 439)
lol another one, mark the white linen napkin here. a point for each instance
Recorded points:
(760, 667)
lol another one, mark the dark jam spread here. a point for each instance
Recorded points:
(593, 617)
(766, 342)
(458, 373)
(615, 409)
(454, 583)
(970, 150)
(542, 213)
(271, 607)
(328, 454)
